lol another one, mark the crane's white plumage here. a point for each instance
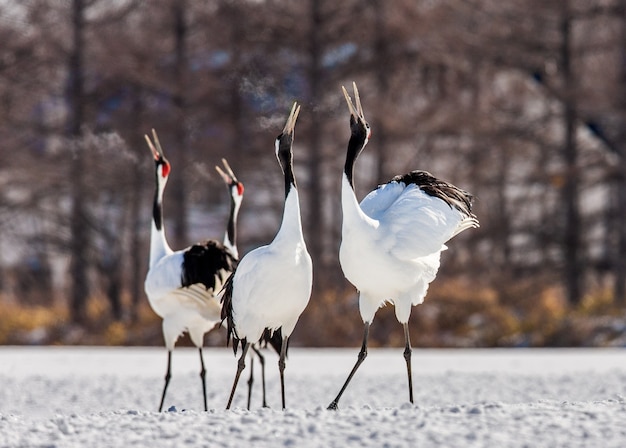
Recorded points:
(182, 286)
(272, 284)
(412, 223)
(193, 309)
(392, 241)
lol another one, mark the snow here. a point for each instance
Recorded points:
(76, 397)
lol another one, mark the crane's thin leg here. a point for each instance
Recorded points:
(168, 375)
(251, 379)
(262, 361)
(203, 377)
(359, 361)
(240, 366)
(407, 358)
(281, 369)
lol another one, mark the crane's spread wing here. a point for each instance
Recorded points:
(418, 214)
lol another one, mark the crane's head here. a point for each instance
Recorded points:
(359, 127)
(285, 140)
(162, 165)
(234, 186)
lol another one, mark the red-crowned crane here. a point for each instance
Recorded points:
(392, 240)
(230, 241)
(182, 286)
(272, 284)
(235, 190)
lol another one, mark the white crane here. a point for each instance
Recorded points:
(272, 284)
(392, 240)
(230, 241)
(182, 286)
(235, 190)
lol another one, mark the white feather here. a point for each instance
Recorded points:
(272, 284)
(391, 244)
(193, 309)
(413, 224)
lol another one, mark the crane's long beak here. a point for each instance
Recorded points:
(157, 151)
(358, 110)
(291, 121)
(228, 175)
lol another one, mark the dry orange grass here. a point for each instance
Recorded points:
(29, 324)
(456, 313)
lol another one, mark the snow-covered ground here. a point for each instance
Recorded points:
(97, 397)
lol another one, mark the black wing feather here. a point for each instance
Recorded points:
(429, 184)
(273, 338)
(206, 261)
(227, 314)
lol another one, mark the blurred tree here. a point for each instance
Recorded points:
(619, 289)
(137, 249)
(179, 153)
(316, 226)
(79, 244)
(382, 54)
(520, 102)
(572, 235)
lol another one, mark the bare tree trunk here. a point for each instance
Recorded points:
(136, 253)
(572, 240)
(79, 244)
(236, 100)
(179, 187)
(381, 49)
(110, 267)
(502, 216)
(620, 259)
(315, 220)
(114, 292)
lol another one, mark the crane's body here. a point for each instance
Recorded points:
(187, 302)
(266, 269)
(183, 286)
(272, 284)
(392, 240)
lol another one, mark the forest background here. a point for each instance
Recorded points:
(522, 103)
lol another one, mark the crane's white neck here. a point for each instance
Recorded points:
(291, 226)
(352, 211)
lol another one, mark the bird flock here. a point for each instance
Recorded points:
(390, 251)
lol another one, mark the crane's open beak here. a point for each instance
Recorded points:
(228, 175)
(291, 121)
(157, 151)
(358, 110)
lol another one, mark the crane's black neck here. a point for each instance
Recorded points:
(231, 230)
(157, 208)
(290, 180)
(285, 158)
(357, 142)
(349, 168)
